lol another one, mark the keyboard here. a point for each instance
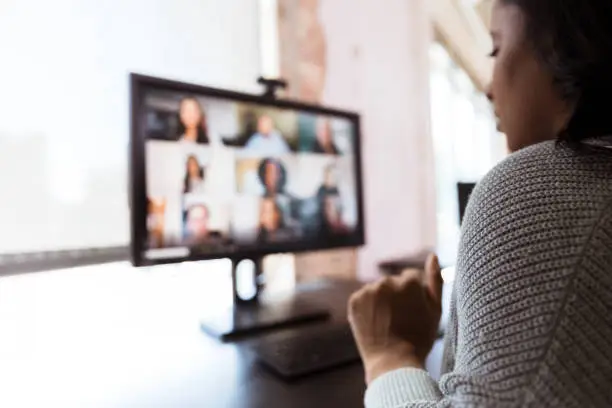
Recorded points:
(307, 351)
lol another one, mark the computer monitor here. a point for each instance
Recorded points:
(221, 174)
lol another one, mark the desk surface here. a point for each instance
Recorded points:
(127, 338)
(80, 341)
(248, 384)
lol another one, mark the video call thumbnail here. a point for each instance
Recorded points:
(222, 174)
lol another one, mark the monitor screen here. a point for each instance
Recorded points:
(222, 174)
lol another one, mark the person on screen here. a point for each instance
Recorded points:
(329, 186)
(156, 221)
(332, 223)
(196, 223)
(271, 224)
(267, 139)
(192, 122)
(194, 176)
(324, 144)
(273, 176)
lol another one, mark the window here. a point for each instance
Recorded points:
(64, 121)
(466, 143)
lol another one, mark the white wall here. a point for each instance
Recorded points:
(377, 63)
(64, 110)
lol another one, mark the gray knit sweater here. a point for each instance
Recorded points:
(531, 315)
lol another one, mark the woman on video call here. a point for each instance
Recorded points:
(273, 176)
(324, 143)
(329, 186)
(271, 224)
(530, 317)
(192, 122)
(332, 224)
(193, 181)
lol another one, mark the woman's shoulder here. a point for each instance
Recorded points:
(546, 178)
(544, 196)
(532, 158)
(546, 165)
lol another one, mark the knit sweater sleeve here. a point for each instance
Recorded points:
(531, 319)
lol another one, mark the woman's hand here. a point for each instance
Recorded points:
(395, 320)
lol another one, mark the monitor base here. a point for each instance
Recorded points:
(252, 318)
(251, 314)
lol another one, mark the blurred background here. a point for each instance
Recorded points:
(415, 70)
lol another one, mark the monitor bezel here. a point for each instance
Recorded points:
(137, 177)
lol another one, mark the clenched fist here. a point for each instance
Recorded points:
(395, 320)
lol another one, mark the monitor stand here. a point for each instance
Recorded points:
(253, 315)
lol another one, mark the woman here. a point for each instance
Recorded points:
(271, 224)
(273, 176)
(193, 181)
(326, 194)
(192, 122)
(197, 218)
(530, 322)
(332, 224)
(329, 186)
(156, 221)
(324, 143)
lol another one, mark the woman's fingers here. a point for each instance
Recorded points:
(433, 278)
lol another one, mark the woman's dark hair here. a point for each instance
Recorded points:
(282, 177)
(573, 38)
(186, 178)
(202, 127)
